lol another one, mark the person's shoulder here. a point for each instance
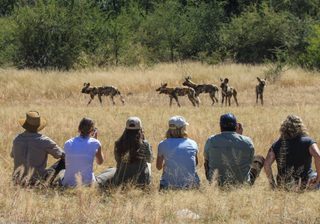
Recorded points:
(94, 141)
(70, 141)
(191, 141)
(307, 139)
(246, 139)
(163, 142)
(214, 137)
(45, 138)
(18, 137)
(145, 142)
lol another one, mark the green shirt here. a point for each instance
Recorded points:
(231, 155)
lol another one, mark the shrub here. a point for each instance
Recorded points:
(7, 41)
(311, 59)
(52, 35)
(254, 36)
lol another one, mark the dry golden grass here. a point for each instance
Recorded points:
(56, 95)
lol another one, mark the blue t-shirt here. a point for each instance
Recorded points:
(179, 162)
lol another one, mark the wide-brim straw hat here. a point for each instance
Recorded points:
(33, 121)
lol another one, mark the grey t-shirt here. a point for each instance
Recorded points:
(30, 154)
(231, 155)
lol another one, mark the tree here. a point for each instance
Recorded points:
(51, 35)
(256, 36)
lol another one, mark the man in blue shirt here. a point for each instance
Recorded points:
(231, 154)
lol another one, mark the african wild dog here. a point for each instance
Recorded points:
(101, 91)
(203, 88)
(227, 92)
(259, 89)
(175, 92)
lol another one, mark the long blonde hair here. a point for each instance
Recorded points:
(292, 127)
(177, 133)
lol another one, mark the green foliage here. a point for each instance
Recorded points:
(65, 34)
(7, 41)
(254, 36)
(164, 31)
(7, 6)
(299, 8)
(311, 59)
(53, 36)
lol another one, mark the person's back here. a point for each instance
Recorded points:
(293, 153)
(231, 155)
(180, 162)
(80, 153)
(294, 158)
(30, 151)
(134, 170)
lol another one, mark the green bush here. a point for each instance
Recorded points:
(311, 59)
(51, 35)
(7, 41)
(255, 36)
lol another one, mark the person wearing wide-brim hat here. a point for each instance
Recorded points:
(177, 156)
(30, 152)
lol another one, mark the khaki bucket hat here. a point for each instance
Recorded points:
(33, 122)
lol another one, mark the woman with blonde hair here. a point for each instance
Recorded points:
(293, 153)
(177, 156)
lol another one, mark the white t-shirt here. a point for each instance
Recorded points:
(80, 153)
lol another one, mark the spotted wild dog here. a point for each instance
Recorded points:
(173, 93)
(101, 91)
(227, 92)
(259, 89)
(202, 88)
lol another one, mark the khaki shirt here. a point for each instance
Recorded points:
(30, 154)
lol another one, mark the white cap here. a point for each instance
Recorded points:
(177, 122)
(133, 123)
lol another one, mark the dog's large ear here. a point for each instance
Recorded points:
(165, 84)
(259, 79)
(221, 79)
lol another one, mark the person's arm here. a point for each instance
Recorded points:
(160, 157)
(271, 157)
(314, 151)
(197, 161)
(149, 154)
(160, 160)
(206, 161)
(99, 156)
(239, 128)
(53, 149)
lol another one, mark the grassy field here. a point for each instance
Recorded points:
(57, 96)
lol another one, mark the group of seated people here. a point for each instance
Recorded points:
(229, 158)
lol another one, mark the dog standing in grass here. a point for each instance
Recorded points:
(227, 92)
(173, 93)
(202, 88)
(101, 91)
(260, 89)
